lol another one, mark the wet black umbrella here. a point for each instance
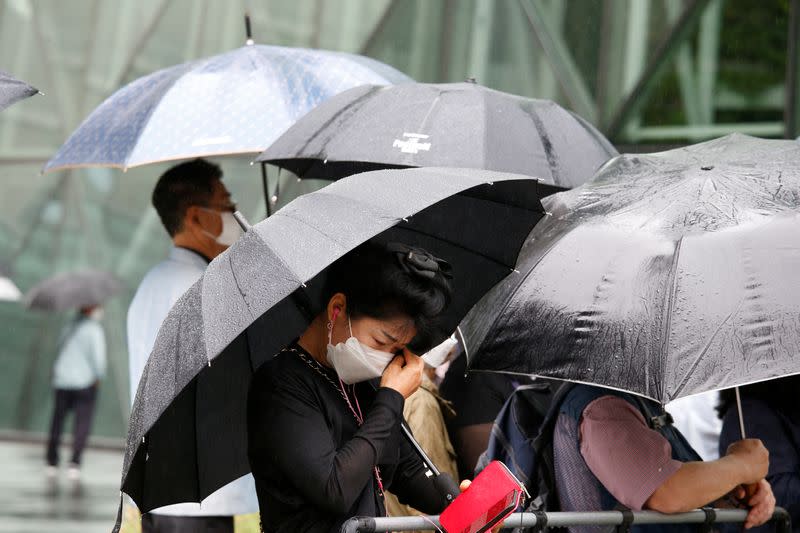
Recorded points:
(666, 275)
(13, 90)
(187, 434)
(457, 124)
(73, 290)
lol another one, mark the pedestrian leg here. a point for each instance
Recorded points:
(84, 411)
(60, 409)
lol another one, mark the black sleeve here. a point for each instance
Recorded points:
(411, 485)
(297, 439)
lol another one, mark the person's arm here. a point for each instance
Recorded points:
(286, 423)
(697, 483)
(294, 434)
(635, 463)
(412, 486)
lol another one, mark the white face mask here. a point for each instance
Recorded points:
(231, 230)
(353, 361)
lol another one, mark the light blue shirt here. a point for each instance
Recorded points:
(158, 292)
(82, 358)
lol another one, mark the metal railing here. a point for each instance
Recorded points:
(781, 519)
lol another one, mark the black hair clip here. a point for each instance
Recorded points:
(419, 262)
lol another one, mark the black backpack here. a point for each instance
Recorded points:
(522, 438)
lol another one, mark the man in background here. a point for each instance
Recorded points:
(197, 212)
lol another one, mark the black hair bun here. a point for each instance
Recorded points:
(419, 262)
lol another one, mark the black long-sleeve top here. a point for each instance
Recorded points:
(314, 467)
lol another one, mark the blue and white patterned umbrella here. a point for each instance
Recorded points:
(233, 103)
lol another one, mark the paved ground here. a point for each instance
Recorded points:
(28, 503)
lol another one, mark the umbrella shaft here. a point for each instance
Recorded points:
(424, 456)
(741, 416)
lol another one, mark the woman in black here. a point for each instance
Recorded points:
(324, 436)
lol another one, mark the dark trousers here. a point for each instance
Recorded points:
(155, 523)
(81, 402)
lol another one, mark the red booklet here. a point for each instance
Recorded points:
(491, 498)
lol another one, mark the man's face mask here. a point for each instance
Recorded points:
(231, 231)
(354, 361)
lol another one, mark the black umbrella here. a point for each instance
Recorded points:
(13, 90)
(456, 124)
(668, 274)
(73, 290)
(187, 434)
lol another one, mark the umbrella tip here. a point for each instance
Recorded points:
(248, 29)
(470, 80)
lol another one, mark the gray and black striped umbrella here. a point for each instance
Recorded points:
(187, 433)
(13, 90)
(441, 125)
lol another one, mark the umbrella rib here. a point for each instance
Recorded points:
(670, 296)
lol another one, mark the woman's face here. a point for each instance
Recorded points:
(386, 335)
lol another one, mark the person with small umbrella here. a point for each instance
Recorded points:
(664, 276)
(613, 448)
(312, 409)
(81, 361)
(197, 212)
(79, 367)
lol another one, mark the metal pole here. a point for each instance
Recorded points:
(570, 519)
(741, 416)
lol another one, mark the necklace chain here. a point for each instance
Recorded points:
(359, 420)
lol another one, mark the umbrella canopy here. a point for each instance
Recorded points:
(13, 90)
(233, 103)
(668, 274)
(74, 290)
(454, 124)
(187, 433)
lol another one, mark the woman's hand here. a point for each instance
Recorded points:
(404, 373)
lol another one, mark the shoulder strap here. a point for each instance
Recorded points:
(546, 498)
